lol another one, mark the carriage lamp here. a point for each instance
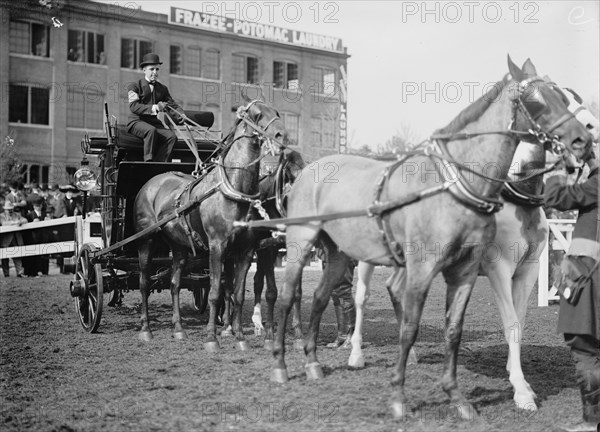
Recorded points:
(85, 178)
(85, 181)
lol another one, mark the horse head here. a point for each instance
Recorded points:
(265, 123)
(539, 110)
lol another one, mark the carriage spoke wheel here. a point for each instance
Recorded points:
(88, 303)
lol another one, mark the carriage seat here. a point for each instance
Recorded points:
(131, 147)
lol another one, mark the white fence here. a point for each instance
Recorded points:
(562, 231)
(57, 246)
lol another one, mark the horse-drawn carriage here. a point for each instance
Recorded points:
(106, 256)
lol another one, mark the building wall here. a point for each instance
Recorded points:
(58, 146)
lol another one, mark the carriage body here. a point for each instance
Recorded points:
(106, 259)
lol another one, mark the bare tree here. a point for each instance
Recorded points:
(10, 163)
(403, 140)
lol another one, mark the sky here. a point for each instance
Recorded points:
(415, 64)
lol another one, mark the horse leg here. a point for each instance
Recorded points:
(460, 281)
(522, 286)
(418, 280)
(267, 259)
(333, 274)
(179, 261)
(145, 251)
(242, 264)
(500, 276)
(365, 272)
(227, 280)
(395, 291)
(262, 264)
(300, 240)
(216, 268)
(297, 319)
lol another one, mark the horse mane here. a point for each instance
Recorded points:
(474, 110)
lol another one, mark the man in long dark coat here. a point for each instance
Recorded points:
(580, 323)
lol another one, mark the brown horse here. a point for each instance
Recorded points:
(224, 195)
(273, 189)
(428, 214)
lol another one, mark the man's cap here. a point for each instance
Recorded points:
(149, 59)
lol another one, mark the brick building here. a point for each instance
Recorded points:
(56, 78)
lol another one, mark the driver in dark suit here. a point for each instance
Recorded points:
(147, 97)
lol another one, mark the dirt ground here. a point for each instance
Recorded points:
(56, 377)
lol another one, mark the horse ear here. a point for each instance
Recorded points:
(514, 70)
(529, 68)
(245, 97)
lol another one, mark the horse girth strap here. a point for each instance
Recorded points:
(193, 237)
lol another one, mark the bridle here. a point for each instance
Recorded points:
(258, 133)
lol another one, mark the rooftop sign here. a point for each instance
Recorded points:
(205, 21)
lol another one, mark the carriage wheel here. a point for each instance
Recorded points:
(90, 290)
(200, 298)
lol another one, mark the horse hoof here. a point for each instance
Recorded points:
(145, 336)
(279, 376)
(314, 371)
(525, 402)
(180, 335)
(299, 345)
(269, 343)
(356, 361)
(243, 345)
(412, 357)
(211, 347)
(465, 410)
(400, 410)
(227, 332)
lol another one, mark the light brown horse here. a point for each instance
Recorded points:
(512, 265)
(225, 195)
(432, 217)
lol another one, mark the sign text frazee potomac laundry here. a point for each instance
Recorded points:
(255, 30)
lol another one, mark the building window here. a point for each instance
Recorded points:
(175, 60)
(323, 80)
(292, 124)
(323, 131)
(84, 109)
(315, 131)
(28, 104)
(212, 64)
(29, 38)
(245, 69)
(192, 62)
(87, 47)
(285, 75)
(132, 52)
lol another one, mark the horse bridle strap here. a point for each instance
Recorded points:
(228, 190)
(513, 195)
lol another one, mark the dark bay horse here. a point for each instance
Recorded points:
(273, 189)
(225, 195)
(513, 265)
(445, 228)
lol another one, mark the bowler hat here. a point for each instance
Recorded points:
(149, 59)
(68, 188)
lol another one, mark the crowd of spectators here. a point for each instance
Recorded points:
(20, 204)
